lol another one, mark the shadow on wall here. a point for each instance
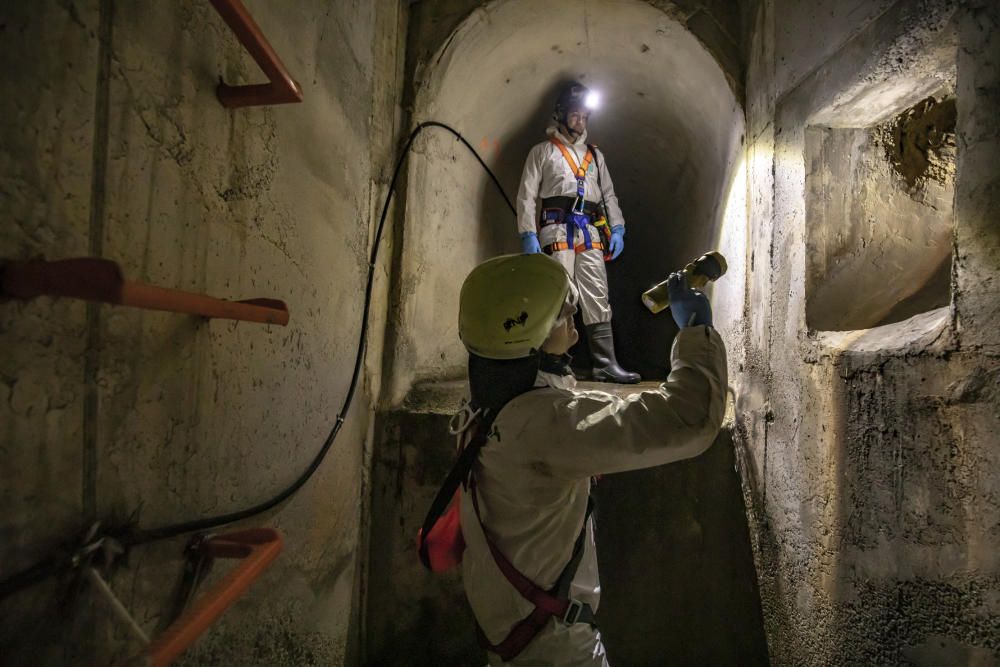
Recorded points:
(506, 157)
(685, 585)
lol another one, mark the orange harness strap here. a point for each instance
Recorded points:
(579, 172)
(562, 245)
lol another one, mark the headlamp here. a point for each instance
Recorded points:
(593, 100)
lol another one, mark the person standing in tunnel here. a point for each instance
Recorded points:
(581, 224)
(531, 444)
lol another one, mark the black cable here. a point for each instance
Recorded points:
(43, 569)
(30, 576)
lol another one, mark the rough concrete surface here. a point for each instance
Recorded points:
(879, 247)
(414, 617)
(977, 192)
(115, 145)
(920, 144)
(869, 456)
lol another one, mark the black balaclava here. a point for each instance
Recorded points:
(494, 383)
(557, 364)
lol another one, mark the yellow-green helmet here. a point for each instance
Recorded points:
(509, 305)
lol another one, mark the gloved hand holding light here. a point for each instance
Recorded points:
(689, 307)
(680, 290)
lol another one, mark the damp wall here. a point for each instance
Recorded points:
(869, 453)
(114, 145)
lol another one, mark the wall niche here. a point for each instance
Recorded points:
(879, 217)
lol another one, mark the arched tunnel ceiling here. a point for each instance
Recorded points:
(669, 125)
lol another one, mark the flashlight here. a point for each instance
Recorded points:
(593, 100)
(709, 267)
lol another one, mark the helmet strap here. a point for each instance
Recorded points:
(568, 131)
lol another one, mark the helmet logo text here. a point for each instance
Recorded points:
(511, 322)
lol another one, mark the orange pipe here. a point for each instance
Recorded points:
(258, 547)
(281, 89)
(94, 279)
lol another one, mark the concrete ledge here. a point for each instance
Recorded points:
(916, 334)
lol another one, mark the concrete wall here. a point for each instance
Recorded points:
(870, 457)
(671, 130)
(414, 617)
(114, 145)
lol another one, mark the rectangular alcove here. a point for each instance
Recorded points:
(879, 213)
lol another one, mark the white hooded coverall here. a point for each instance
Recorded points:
(547, 174)
(533, 480)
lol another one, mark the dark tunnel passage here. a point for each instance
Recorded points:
(669, 125)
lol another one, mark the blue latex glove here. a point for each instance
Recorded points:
(689, 307)
(529, 243)
(617, 241)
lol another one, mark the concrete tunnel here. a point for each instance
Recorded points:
(672, 131)
(671, 128)
(840, 154)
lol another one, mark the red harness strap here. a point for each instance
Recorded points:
(547, 603)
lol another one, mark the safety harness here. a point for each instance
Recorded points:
(553, 602)
(580, 213)
(547, 603)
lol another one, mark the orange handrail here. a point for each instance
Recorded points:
(281, 89)
(94, 279)
(258, 547)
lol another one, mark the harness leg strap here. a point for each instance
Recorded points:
(549, 603)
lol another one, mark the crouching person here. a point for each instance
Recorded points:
(531, 443)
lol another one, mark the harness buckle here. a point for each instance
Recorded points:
(573, 612)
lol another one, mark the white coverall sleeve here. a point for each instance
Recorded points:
(527, 193)
(614, 212)
(599, 433)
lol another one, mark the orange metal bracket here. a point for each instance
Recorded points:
(94, 279)
(258, 547)
(281, 89)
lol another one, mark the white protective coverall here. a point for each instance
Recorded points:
(547, 174)
(533, 480)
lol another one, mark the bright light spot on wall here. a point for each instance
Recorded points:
(728, 291)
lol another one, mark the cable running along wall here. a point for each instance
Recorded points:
(138, 536)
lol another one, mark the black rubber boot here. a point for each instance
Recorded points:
(602, 356)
